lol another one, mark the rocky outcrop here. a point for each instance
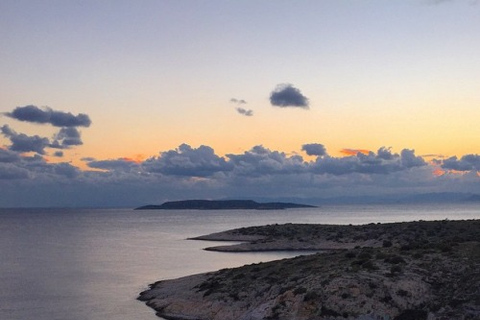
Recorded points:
(429, 270)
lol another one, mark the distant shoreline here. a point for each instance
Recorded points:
(223, 205)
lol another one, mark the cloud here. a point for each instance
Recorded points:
(34, 114)
(245, 112)
(114, 165)
(238, 101)
(385, 153)
(66, 138)
(58, 154)
(7, 156)
(198, 172)
(260, 161)
(383, 162)
(409, 160)
(469, 162)
(314, 149)
(285, 95)
(187, 161)
(242, 111)
(23, 143)
(66, 170)
(12, 172)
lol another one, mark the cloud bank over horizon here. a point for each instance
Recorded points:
(28, 177)
(198, 172)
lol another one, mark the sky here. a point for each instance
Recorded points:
(124, 103)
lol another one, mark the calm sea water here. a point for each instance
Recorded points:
(88, 264)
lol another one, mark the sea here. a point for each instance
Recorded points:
(89, 264)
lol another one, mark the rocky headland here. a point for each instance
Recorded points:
(401, 271)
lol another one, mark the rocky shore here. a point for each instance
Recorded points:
(401, 271)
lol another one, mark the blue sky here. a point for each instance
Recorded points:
(218, 99)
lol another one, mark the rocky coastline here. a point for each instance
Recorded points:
(424, 270)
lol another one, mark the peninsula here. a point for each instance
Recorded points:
(222, 205)
(400, 271)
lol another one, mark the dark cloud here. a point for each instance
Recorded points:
(187, 172)
(66, 170)
(66, 138)
(58, 154)
(384, 162)
(285, 95)
(188, 161)
(409, 160)
(385, 153)
(9, 171)
(314, 149)
(261, 161)
(7, 156)
(23, 143)
(34, 114)
(35, 160)
(245, 112)
(40, 169)
(469, 162)
(238, 101)
(113, 165)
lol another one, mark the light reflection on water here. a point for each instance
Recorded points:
(84, 264)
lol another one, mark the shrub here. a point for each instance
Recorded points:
(369, 265)
(329, 312)
(381, 255)
(395, 269)
(412, 315)
(395, 260)
(364, 256)
(310, 295)
(402, 293)
(299, 290)
(387, 243)
(350, 254)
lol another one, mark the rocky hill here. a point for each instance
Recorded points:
(402, 271)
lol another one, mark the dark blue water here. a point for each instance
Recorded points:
(92, 263)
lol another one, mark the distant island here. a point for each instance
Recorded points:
(222, 205)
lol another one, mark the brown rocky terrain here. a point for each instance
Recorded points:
(415, 270)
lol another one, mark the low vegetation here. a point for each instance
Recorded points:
(416, 270)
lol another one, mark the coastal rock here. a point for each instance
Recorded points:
(433, 275)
